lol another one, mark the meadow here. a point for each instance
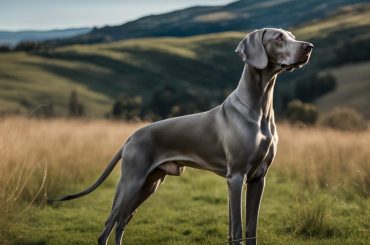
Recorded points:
(317, 190)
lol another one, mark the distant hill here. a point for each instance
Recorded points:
(199, 67)
(13, 37)
(353, 76)
(353, 89)
(241, 15)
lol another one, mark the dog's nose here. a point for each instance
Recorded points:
(307, 46)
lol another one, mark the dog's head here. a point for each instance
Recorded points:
(274, 47)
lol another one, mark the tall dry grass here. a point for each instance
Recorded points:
(325, 158)
(39, 156)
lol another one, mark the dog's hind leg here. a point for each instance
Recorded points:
(128, 187)
(122, 200)
(154, 179)
(135, 169)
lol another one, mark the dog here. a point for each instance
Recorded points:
(236, 140)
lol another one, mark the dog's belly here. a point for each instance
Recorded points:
(175, 164)
(176, 168)
(172, 168)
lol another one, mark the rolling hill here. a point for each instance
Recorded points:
(203, 66)
(241, 15)
(100, 73)
(353, 86)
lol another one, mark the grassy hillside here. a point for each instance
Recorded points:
(101, 72)
(352, 16)
(26, 84)
(352, 89)
(197, 68)
(237, 16)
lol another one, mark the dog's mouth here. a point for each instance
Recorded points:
(301, 62)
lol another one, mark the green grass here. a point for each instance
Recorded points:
(24, 84)
(192, 209)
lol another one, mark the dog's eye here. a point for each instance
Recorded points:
(280, 37)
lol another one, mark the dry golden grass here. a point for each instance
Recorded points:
(71, 151)
(75, 152)
(325, 158)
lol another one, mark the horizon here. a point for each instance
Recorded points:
(42, 15)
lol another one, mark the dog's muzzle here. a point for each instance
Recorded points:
(302, 58)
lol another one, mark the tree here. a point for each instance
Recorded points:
(28, 46)
(314, 86)
(5, 48)
(167, 102)
(76, 108)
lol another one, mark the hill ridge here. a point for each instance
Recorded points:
(241, 15)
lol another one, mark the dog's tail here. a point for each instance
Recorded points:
(97, 183)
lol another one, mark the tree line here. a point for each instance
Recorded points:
(166, 102)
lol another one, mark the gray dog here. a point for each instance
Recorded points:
(236, 140)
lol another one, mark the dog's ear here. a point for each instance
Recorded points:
(252, 51)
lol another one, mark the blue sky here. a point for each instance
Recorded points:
(49, 14)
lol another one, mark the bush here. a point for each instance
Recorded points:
(127, 107)
(299, 112)
(345, 119)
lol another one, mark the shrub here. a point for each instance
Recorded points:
(127, 107)
(299, 112)
(345, 119)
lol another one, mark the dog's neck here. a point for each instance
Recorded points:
(256, 89)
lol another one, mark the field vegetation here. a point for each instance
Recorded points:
(317, 190)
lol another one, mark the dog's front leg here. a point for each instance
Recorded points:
(235, 186)
(254, 194)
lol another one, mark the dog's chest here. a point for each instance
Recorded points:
(267, 142)
(266, 139)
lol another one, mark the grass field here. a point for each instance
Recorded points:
(317, 190)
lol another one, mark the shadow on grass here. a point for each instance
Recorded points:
(31, 242)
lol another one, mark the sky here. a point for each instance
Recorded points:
(59, 14)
